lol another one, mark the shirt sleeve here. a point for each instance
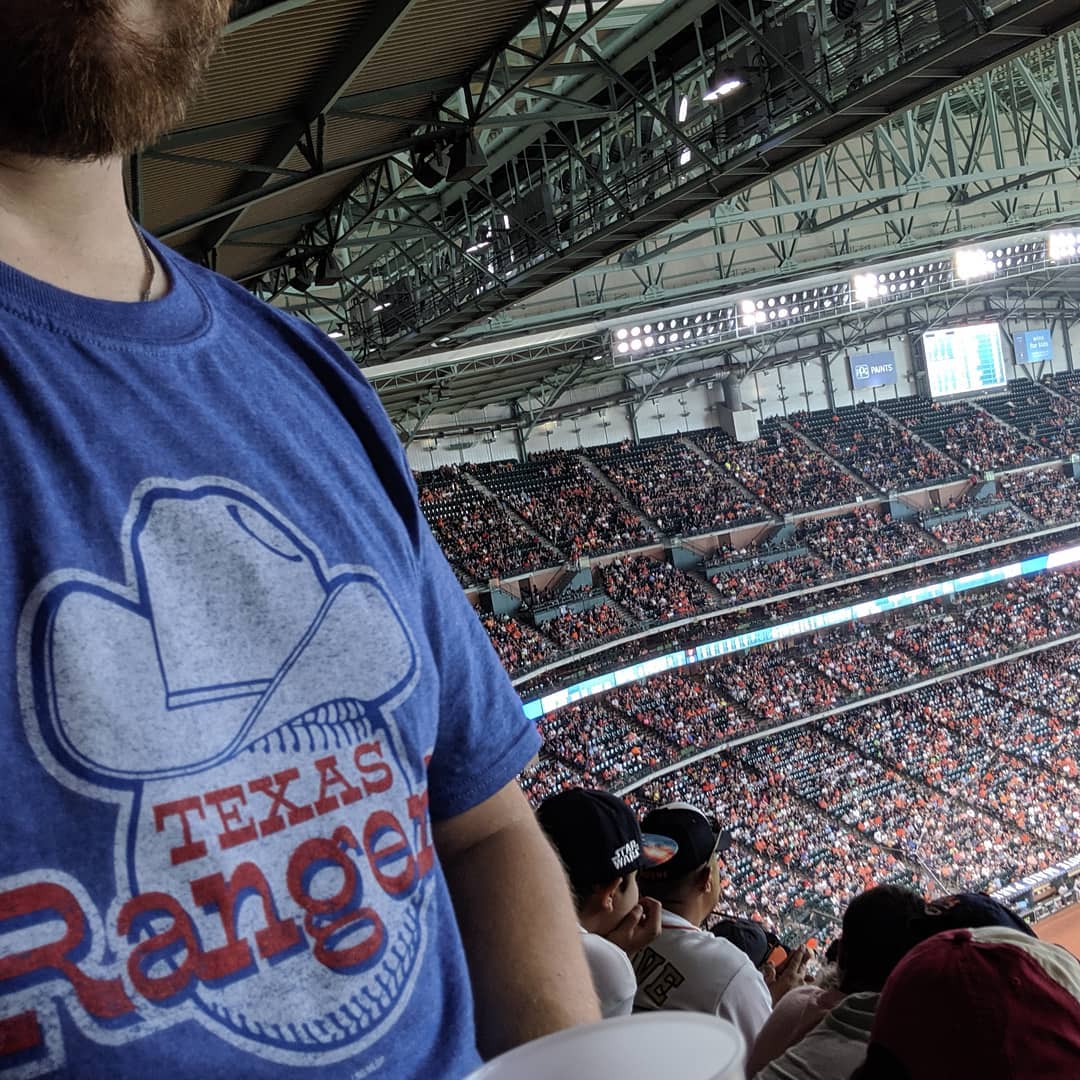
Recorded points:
(484, 740)
(612, 975)
(795, 1014)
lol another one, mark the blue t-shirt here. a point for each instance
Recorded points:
(238, 683)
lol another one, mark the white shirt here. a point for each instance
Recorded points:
(612, 974)
(687, 968)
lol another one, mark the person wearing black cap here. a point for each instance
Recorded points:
(686, 967)
(599, 841)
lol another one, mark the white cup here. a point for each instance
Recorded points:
(679, 1045)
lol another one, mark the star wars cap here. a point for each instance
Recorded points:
(692, 834)
(597, 836)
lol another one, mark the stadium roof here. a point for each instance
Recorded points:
(470, 192)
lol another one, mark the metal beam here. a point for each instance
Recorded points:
(361, 37)
(668, 190)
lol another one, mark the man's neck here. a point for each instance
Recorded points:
(66, 223)
(688, 910)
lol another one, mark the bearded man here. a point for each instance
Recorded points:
(259, 814)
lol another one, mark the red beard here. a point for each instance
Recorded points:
(78, 83)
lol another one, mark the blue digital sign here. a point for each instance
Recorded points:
(1034, 346)
(872, 369)
(809, 624)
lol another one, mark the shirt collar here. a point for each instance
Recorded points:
(676, 922)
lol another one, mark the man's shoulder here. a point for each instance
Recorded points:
(704, 946)
(605, 951)
(228, 298)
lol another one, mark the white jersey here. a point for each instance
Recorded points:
(612, 975)
(687, 968)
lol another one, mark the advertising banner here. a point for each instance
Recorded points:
(1034, 346)
(872, 369)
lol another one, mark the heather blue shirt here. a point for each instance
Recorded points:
(237, 683)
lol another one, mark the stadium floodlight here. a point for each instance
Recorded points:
(866, 287)
(1062, 246)
(971, 264)
(725, 81)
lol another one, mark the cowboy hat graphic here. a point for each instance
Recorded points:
(230, 620)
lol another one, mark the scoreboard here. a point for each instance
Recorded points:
(964, 359)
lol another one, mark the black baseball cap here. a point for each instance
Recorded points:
(965, 911)
(596, 835)
(695, 840)
(745, 935)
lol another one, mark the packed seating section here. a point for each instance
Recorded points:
(864, 541)
(783, 470)
(967, 784)
(653, 591)
(965, 433)
(480, 539)
(557, 494)
(676, 488)
(889, 457)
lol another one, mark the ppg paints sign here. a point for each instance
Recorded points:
(872, 369)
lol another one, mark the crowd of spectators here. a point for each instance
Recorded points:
(789, 862)
(960, 844)
(861, 663)
(603, 747)
(783, 470)
(479, 538)
(978, 441)
(561, 595)
(889, 457)
(576, 630)
(561, 499)
(676, 488)
(973, 528)
(1043, 696)
(990, 624)
(519, 646)
(760, 578)
(965, 740)
(863, 541)
(968, 784)
(685, 709)
(653, 591)
(1049, 496)
(774, 686)
(740, 621)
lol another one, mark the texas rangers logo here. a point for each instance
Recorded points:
(236, 700)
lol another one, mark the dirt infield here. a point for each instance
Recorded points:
(1063, 929)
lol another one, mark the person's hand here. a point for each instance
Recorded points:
(640, 927)
(791, 973)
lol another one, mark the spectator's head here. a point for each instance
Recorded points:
(747, 936)
(95, 80)
(877, 933)
(598, 839)
(993, 1002)
(688, 881)
(965, 911)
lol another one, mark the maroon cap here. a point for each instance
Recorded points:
(992, 1003)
